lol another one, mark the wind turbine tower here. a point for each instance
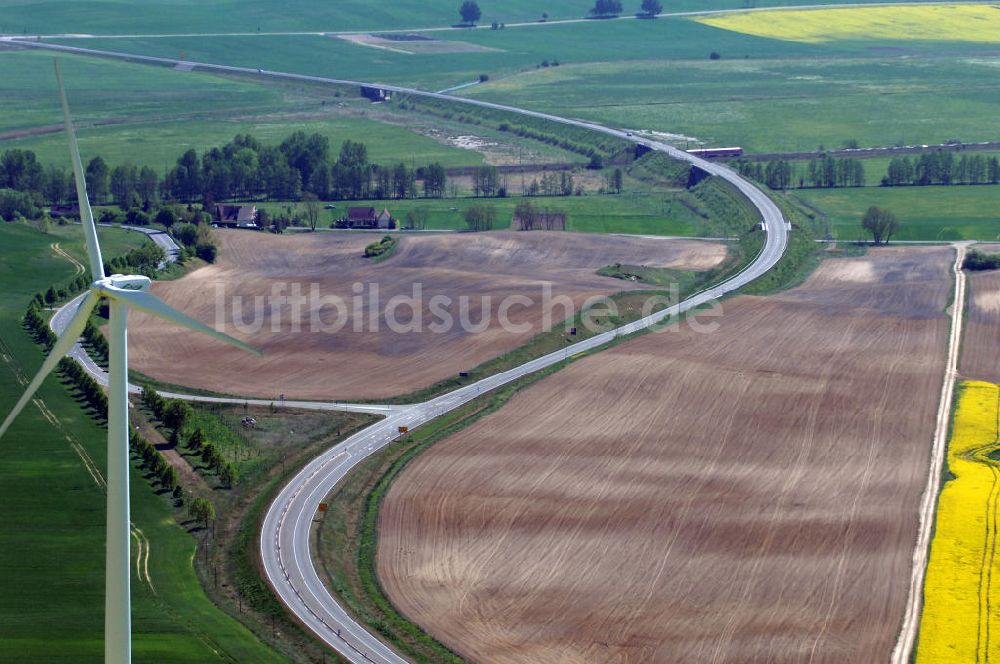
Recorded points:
(123, 292)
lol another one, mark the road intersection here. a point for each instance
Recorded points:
(285, 538)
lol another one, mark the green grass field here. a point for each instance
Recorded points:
(52, 539)
(640, 213)
(763, 94)
(773, 103)
(157, 113)
(925, 213)
(122, 16)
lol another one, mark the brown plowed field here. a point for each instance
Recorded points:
(744, 496)
(980, 358)
(312, 364)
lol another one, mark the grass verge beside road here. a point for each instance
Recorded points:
(930, 214)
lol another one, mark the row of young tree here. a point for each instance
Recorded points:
(942, 168)
(932, 168)
(823, 172)
(175, 415)
(160, 470)
(88, 389)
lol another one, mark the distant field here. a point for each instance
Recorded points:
(515, 50)
(131, 16)
(926, 213)
(764, 94)
(101, 89)
(773, 103)
(158, 113)
(52, 534)
(957, 23)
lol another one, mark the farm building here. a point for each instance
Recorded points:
(236, 216)
(717, 153)
(71, 210)
(375, 94)
(367, 217)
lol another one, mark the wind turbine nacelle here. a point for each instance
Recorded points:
(132, 282)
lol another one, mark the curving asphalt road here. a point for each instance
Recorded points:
(284, 541)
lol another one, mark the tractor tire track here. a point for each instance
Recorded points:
(77, 265)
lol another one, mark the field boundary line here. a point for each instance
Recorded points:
(903, 650)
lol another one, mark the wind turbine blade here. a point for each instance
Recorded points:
(152, 305)
(86, 215)
(63, 345)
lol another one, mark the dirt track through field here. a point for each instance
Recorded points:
(749, 495)
(371, 364)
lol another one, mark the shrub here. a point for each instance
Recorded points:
(978, 260)
(206, 252)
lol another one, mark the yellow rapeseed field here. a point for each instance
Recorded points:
(973, 23)
(961, 617)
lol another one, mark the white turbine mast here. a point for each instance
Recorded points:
(123, 292)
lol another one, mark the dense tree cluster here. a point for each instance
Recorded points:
(530, 217)
(202, 509)
(942, 168)
(142, 260)
(881, 223)
(480, 217)
(15, 204)
(980, 260)
(651, 8)
(302, 163)
(486, 182)
(604, 8)
(552, 184)
(469, 11)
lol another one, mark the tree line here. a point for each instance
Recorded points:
(942, 168)
(824, 172)
(244, 168)
(931, 168)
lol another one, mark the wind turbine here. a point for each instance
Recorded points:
(123, 292)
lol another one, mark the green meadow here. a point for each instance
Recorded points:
(925, 213)
(151, 115)
(52, 539)
(638, 213)
(762, 94)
